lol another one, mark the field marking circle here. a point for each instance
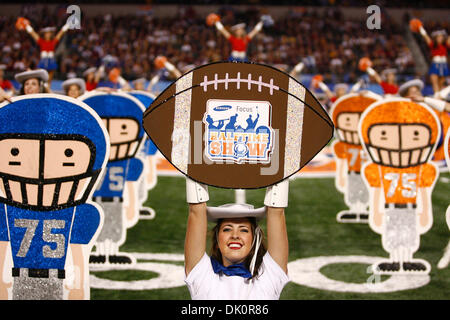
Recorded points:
(169, 275)
(306, 272)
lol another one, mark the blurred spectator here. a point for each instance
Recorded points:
(322, 42)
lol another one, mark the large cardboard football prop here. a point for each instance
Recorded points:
(237, 125)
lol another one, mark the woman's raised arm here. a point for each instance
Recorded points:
(196, 231)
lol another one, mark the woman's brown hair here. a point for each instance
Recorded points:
(216, 254)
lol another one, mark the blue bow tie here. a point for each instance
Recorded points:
(233, 270)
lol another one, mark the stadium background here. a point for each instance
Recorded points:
(328, 36)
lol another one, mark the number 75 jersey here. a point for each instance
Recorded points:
(39, 239)
(116, 173)
(400, 185)
(352, 153)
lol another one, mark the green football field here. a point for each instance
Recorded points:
(312, 230)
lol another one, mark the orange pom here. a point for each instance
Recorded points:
(212, 19)
(364, 63)
(114, 74)
(415, 24)
(160, 61)
(315, 80)
(21, 23)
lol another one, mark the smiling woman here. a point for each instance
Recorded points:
(236, 239)
(240, 266)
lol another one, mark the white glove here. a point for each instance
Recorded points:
(196, 192)
(219, 25)
(65, 27)
(277, 195)
(443, 93)
(259, 26)
(122, 81)
(371, 71)
(422, 31)
(437, 104)
(323, 86)
(101, 71)
(170, 67)
(356, 86)
(29, 28)
(299, 67)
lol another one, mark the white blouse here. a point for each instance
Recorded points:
(204, 284)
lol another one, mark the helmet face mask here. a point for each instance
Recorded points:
(45, 171)
(124, 137)
(121, 114)
(400, 145)
(346, 112)
(399, 133)
(347, 127)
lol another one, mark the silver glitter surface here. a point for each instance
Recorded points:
(30, 226)
(28, 288)
(356, 189)
(294, 128)
(57, 238)
(182, 117)
(401, 229)
(113, 224)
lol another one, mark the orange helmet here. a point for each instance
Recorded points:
(398, 115)
(350, 104)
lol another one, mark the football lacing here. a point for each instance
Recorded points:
(238, 80)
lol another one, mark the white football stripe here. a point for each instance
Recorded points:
(294, 128)
(181, 125)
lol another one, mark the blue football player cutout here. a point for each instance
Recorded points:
(117, 190)
(148, 153)
(48, 170)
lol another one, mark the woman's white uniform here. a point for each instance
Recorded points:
(204, 284)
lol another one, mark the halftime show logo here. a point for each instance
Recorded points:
(238, 130)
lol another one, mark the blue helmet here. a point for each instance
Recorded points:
(110, 106)
(145, 97)
(50, 117)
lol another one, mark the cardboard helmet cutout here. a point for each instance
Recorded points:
(346, 112)
(400, 137)
(48, 170)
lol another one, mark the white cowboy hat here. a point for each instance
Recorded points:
(235, 210)
(238, 26)
(408, 84)
(78, 81)
(48, 29)
(38, 73)
(89, 70)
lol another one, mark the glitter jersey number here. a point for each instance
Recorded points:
(30, 225)
(408, 185)
(354, 152)
(116, 179)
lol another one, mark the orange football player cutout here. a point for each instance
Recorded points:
(346, 112)
(400, 138)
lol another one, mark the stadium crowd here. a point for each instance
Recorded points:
(321, 41)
